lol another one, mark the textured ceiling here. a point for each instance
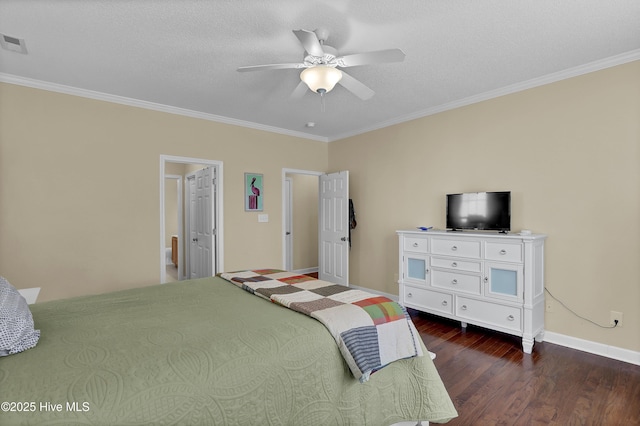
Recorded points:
(182, 55)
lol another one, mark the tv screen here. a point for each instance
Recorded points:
(479, 210)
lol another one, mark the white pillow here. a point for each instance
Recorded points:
(16, 323)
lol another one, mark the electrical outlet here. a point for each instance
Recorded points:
(615, 316)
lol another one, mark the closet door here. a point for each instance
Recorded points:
(201, 197)
(334, 228)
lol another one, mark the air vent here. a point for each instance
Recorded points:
(13, 44)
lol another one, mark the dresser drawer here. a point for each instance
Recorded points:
(456, 281)
(416, 244)
(507, 317)
(432, 300)
(458, 248)
(457, 264)
(503, 252)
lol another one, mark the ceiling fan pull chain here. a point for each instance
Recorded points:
(322, 103)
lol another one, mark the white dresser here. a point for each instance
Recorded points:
(487, 279)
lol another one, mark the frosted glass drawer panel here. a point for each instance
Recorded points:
(457, 264)
(504, 252)
(419, 245)
(456, 281)
(504, 281)
(416, 268)
(458, 248)
(431, 300)
(501, 316)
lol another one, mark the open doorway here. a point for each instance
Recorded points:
(173, 208)
(300, 220)
(329, 233)
(172, 167)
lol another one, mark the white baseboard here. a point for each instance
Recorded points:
(379, 293)
(613, 352)
(306, 270)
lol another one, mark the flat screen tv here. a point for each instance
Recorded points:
(489, 211)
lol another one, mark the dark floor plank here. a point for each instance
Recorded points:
(492, 382)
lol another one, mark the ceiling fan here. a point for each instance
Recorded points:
(321, 65)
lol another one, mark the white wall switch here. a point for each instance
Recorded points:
(263, 218)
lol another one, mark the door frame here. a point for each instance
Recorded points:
(285, 172)
(217, 220)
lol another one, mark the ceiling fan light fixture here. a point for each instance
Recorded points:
(321, 78)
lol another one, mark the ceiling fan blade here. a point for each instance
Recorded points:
(377, 57)
(299, 91)
(310, 42)
(270, 67)
(355, 87)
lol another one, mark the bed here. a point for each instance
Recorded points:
(201, 352)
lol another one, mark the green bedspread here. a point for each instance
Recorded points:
(201, 352)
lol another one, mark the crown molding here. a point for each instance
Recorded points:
(610, 62)
(90, 94)
(594, 66)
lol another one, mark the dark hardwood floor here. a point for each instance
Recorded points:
(492, 382)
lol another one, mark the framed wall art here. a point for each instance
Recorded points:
(253, 192)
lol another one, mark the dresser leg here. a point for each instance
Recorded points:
(463, 324)
(527, 345)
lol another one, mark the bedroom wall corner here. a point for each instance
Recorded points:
(70, 225)
(570, 154)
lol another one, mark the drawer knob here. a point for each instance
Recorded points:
(409, 295)
(503, 252)
(486, 279)
(510, 318)
(454, 248)
(463, 307)
(444, 303)
(454, 282)
(454, 264)
(415, 244)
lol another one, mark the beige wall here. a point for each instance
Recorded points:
(568, 151)
(570, 154)
(79, 189)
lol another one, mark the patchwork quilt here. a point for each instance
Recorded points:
(371, 331)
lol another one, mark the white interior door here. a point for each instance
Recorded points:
(334, 228)
(288, 221)
(201, 199)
